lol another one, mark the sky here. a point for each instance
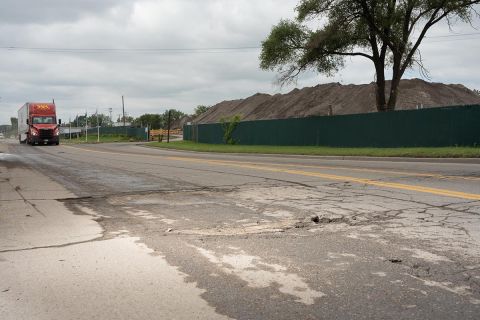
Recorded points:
(112, 42)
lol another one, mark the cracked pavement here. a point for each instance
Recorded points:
(137, 233)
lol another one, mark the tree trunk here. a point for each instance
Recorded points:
(381, 100)
(380, 88)
(392, 100)
(397, 75)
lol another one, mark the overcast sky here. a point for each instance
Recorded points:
(154, 81)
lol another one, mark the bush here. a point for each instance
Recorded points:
(229, 125)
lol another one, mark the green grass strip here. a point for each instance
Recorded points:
(421, 152)
(103, 139)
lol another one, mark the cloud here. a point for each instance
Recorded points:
(21, 12)
(154, 81)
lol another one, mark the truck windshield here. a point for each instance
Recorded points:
(43, 120)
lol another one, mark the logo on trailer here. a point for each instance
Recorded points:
(42, 107)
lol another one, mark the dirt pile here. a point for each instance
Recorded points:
(338, 99)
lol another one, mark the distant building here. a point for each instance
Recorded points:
(66, 130)
(120, 124)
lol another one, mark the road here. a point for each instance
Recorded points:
(123, 231)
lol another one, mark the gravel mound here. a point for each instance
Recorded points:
(337, 99)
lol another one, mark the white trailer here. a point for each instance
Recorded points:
(23, 113)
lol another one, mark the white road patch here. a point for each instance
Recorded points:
(90, 212)
(336, 255)
(119, 232)
(380, 274)
(425, 293)
(168, 221)
(473, 267)
(278, 214)
(259, 274)
(112, 279)
(464, 291)
(8, 157)
(142, 213)
(427, 256)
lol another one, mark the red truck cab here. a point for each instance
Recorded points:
(37, 124)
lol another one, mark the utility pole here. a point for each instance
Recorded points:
(168, 126)
(98, 127)
(70, 127)
(123, 109)
(111, 120)
(86, 127)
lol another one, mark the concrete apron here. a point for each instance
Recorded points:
(56, 265)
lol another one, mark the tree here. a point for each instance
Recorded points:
(388, 33)
(200, 109)
(175, 115)
(128, 119)
(477, 92)
(14, 122)
(103, 120)
(79, 121)
(153, 121)
(229, 125)
(13, 127)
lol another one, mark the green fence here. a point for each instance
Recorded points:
(140, 133)
(436, 127)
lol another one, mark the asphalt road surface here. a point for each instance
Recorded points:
(123, 231)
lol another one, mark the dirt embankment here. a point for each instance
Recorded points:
(337, 99)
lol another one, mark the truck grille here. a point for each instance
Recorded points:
(46, 133)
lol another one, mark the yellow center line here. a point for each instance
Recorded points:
(282, 169)
(442, 192)
(401, 173)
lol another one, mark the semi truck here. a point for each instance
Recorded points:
(37, 124)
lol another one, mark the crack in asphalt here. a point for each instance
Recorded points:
(27, 201)
(341, 193)
(149, 175)
(63, 245)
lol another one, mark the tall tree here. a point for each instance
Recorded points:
(388, 33)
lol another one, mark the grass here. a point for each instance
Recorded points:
(421, 152)
(103, 139)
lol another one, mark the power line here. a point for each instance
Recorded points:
(435, 41)
(454, 35)
(442, 38)
(128, 50)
